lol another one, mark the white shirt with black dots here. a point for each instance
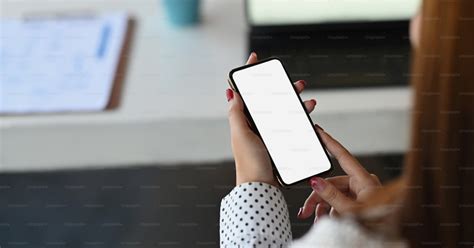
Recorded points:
(254, 215)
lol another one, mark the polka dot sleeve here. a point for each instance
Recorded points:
(254, 215)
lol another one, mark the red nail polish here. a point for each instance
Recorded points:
(299, 212)
(230, 94)
(314, 101)
(318, 184)
(319, 126)
(303, 82)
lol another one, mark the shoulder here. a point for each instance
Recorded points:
(342, 232)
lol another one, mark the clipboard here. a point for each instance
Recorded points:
(113, 46)
(117, 85)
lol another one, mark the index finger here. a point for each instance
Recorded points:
(348, 163)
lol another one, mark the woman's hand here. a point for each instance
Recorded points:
(338, 194)
(252, 162)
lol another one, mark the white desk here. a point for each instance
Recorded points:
(173, 109)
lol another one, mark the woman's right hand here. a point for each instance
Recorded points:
(338, 194)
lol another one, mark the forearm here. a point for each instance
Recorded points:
(254, 214)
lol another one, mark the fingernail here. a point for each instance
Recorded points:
(299, 212)
(315, 219)
(229, 94)
(314, 102)
(318, 184)
(303, 82)
(317, 124)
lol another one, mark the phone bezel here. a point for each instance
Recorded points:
(255, 129)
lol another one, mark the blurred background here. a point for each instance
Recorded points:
(113, 116)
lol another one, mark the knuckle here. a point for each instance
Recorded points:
(331, 195)
(231, 110)
(375, 179)
(233, 113)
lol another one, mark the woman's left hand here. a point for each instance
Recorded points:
(252, 162)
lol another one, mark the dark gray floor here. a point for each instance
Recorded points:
(134, 207)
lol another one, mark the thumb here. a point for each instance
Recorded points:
(333, 196)
(237, 118)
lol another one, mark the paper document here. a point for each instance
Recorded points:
(59, 64)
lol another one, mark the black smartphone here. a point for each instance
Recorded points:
(278, 116)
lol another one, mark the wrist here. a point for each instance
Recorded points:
(240, 180)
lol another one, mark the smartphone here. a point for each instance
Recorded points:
(276, 113)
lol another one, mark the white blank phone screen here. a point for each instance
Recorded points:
(281, 121)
